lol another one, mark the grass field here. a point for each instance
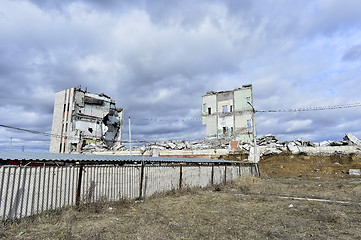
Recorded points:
(249, 208)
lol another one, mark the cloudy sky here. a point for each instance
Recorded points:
(157, 58)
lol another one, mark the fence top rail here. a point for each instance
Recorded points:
(92, 158)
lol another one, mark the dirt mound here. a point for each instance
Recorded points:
(290, 165)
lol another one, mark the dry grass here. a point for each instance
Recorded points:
(245, 209)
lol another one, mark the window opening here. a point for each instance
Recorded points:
(204, 108)
(249, 123)
(248, 100)
(225, 130)
(230, 109)
(225, 108)
(209, 111)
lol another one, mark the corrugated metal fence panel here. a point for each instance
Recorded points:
(25, 191)
(32, 190)
(110, 183)
(218, 177)
(160, 179)
(197, 176)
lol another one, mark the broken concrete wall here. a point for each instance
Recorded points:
(78, 121)
(228, 114)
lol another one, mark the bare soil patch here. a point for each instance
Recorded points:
(248, 208)
(290, 165)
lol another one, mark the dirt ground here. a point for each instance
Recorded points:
(289, 165)
(249, 208)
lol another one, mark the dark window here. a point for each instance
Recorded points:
(209, 111)
(230, 109)
(225, 130)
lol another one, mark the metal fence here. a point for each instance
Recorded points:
(26, 191)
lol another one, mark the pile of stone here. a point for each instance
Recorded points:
(268, 145)
(183, 145)
(101, 147)
(94, 147)
(271, 145)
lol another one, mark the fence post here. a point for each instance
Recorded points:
(78, 190)
(225, 174)
(180, 176)
(212, 176)
(141, 181)
(258, 171)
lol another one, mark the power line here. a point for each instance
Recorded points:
(26, 130)
(86, 136)
(166, 120)
(351, 105)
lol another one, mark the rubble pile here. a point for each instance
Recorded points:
(94, 147)
(271, 145)
(268, 145)
(183, 145)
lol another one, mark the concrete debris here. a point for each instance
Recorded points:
(355, 172)
(95, 147)
(112, 121)
(293, 148)
(352, 139)
(271, 151)
(267, 145)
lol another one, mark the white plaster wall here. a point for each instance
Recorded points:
(211, 125)
(240, 99)
(84, 126)
(98, 111)
(57, 122)
(210, 101)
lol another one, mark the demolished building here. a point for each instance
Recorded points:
(81, 118)
(229, 114)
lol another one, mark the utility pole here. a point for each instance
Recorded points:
(255, 156)
(130, 139)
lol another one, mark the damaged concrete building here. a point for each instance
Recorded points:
(229, 114)
(81, 118)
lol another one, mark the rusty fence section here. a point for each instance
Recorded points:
(26, 191)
